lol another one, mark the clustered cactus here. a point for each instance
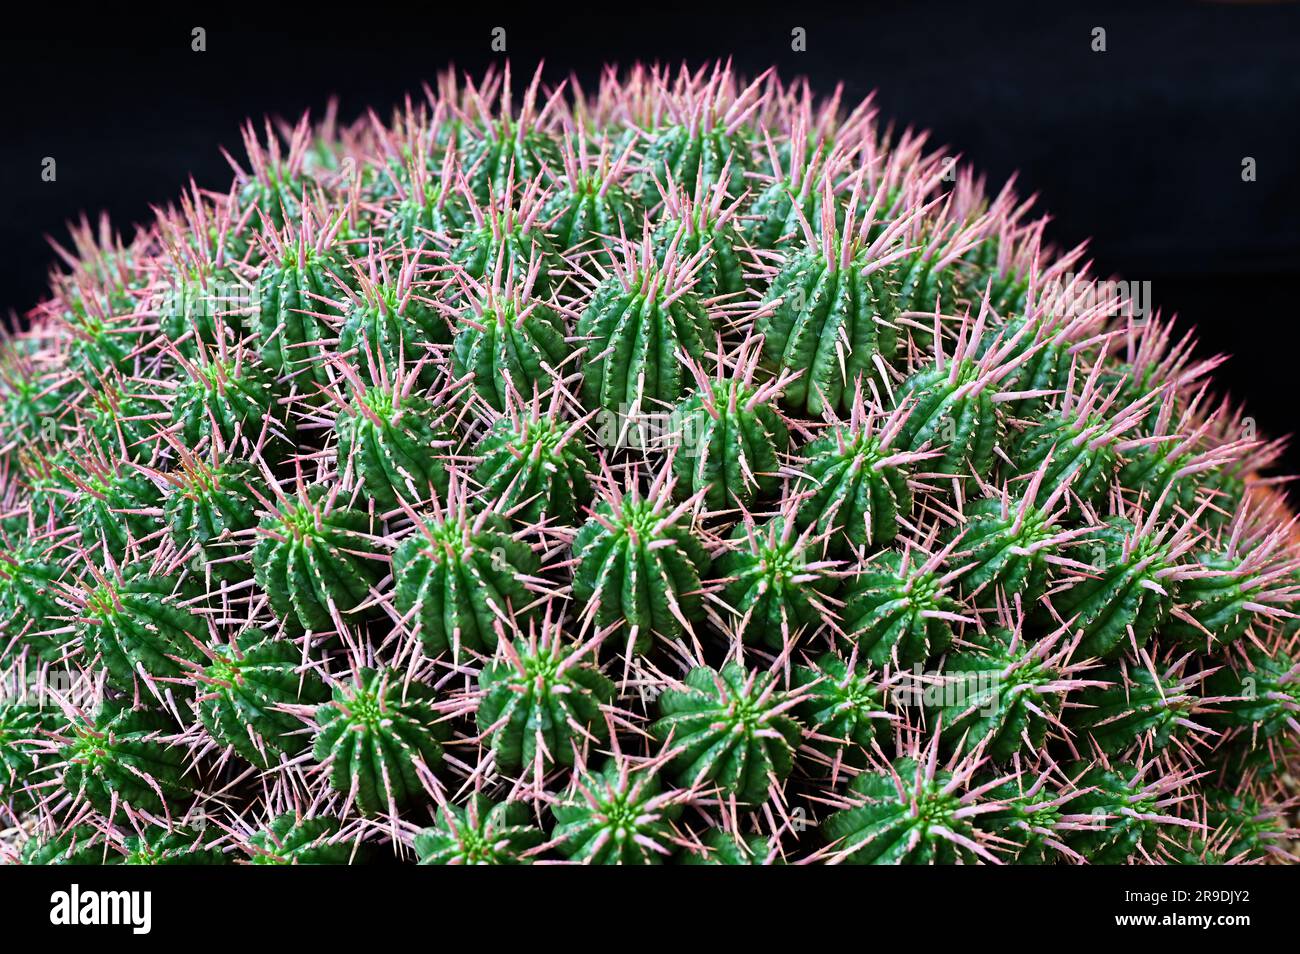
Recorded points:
(688, 470)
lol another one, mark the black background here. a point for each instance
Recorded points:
(1138, 149)
(701, 908)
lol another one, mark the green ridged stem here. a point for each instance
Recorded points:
(733, 729)
(158, 846)
(124, 422)
(108, 510)
(503, 350)
(1113, 601)
(296, 302)
(482, 833)
(722, 271)
(139, 627)
(999, 689)
(1007, 543)
(122, 757)
(501, 242)
(701, 155)
(214, 509)
(1258, 705)
(720, 847)
(376, 734)
(643, 569)
(28, 600)
(778, 211)
(244, 684)
(1009, 289)
(541, 705)
(458, 578)
(588, 214)
(422, 215)
(1244, 829)
(388, 328)
(963, 425)
(855, 495)
(889, 826)
(632, 340)
(774, 583)
(1031, 819)
(503, 152)
(21, 728)
(832, 324)
(311, 557)
(80, 845)
(1089, 465)
(202, 306)
(234, 400)
(535, 465)
(843, 706)
(1216, 603)
(396, 446)
(731, 444)
(919, 284)
(1139, 707)
(1116, 797)
(290, 840)
(885, 611)
(616, 815)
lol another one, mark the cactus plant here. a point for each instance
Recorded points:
(628, 475)
(379, 739)
(481, 833)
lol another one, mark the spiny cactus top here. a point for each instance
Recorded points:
(684, 470)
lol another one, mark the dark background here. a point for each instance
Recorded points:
(1138, 149)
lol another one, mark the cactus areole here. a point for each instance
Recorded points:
(685, 469)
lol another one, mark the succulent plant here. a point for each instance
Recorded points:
(1007, 693)
(536, 464)
(379, 739)
(832, 315)
(852, 486)
(844, 706)
(541, 703)
(123, 759)
(731, 437)
(639, 566)
(1127, 812)
(620, 814)
(393, 440)
(245, 690)
(314, 558)
(637, 321)
(20, 751)
(773, 583)
(898, 609)
(681, 470)
(729, 728)
(78, 845)
(139, 627)
(481, 833)
(721, 847)
(207, 506)
(160, 846)
(910, 812)
(290, 839)
(509, 339)
(458, 576)
(1259, 698)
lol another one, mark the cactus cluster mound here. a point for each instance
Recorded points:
(683, 470)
